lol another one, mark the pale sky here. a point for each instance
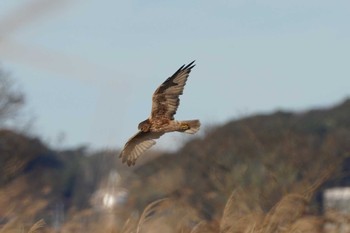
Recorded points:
(89, 68)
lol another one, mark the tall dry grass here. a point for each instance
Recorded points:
(288, 215)
(241, 214)
(168, 215)
(15, 226)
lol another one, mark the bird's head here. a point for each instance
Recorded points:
(145, 125)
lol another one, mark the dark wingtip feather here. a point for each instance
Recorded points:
(189, 66)
(182, 68)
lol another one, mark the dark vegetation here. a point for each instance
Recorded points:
(266, 155)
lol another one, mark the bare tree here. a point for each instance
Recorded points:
(11, 98)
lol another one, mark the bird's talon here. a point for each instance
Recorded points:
(185, 126)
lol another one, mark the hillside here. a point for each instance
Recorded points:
(265, 156)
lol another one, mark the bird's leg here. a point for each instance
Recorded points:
(184, 126)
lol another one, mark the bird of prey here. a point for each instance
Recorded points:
(165, 101)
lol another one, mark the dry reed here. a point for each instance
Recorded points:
(238, 216)
(38, 225)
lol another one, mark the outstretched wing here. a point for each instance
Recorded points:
(165, 100)
(136, 145)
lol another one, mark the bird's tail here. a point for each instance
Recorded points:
(193, 126)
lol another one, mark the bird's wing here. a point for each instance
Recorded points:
(136, 145)
(165, 100)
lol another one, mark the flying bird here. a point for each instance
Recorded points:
(165, 101)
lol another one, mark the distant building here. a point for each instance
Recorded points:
(337, 199)
(110, 195)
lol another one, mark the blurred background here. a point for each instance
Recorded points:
(270, 86)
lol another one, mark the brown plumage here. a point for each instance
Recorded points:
(165, 102)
